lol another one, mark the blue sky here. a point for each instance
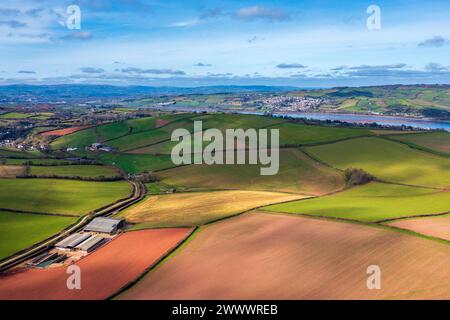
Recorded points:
(314, 43)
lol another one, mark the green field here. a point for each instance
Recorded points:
(37, 161)
(291, 134)
(59, 196)
(297, 173)
(297, 134)
(15, 115)
(139, 139)
(83, 171)
(109, 133)
(5, 152)
(437, 141)
(387, 160)
(19, 231)
(77, 139)
(139, 142)
(372, 202)
(137, 163)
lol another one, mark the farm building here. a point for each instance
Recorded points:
(90, 244)
(96, 146)
(104, 225)
(99, 147)
(72, 241)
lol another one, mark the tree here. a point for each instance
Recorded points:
(355, 177)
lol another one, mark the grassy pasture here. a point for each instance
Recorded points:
(217, 121)
(197, 208)
(5, 152)
(387, 160)
(19, 231)
(297, 173)
(136, 163)
(296, 134)
(139, 139)
(84, 171)
(372, 202)
(15, 115)
(95, 134)
(438, 141)
(237, 121)
(36, 161)
(290, 134)
(77, 139)
(59, 196)
(122, 135)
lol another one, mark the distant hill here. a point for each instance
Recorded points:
(75, 92)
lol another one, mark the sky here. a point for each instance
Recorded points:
(189, 43)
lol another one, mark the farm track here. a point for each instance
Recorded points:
(137, 195)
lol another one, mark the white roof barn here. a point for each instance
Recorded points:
(103, 225)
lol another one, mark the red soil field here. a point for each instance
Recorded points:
(103, 272)
(161, 122)
(275, 256)
(63, 132)
(438, 227)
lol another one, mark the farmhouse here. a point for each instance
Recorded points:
(104, 225)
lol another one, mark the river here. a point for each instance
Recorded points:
(382, 120)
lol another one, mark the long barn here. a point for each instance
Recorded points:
(104, 225)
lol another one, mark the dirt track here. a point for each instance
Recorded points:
(102, 273)
(271, 256)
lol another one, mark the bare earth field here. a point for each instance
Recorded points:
(197, 208)
(438, 227)
(161, 122)
(102, 273)
(11, 171)
(272, 256)
(63, 132)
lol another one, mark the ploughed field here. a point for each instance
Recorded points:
(103, 272)
(60, 196)
(11, 171)
(63, 132)
(197, 208)
(272, 256)
(435, 226)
